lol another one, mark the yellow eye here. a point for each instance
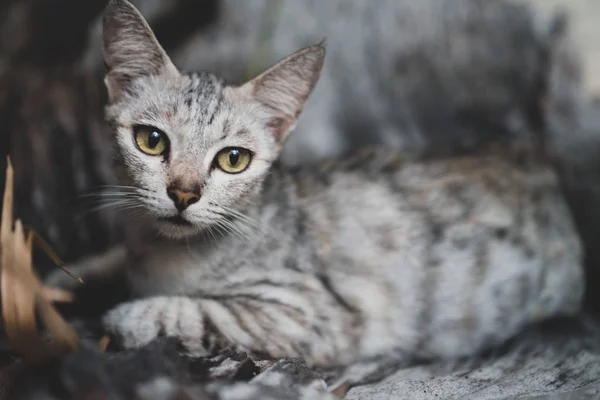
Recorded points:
(150, 140)
(233, 160)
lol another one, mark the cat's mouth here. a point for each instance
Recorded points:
(176, 220)
(175, 227)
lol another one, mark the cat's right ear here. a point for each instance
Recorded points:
(130, 49)
(284, 88)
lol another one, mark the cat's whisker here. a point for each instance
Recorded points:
(243, 227)
(138, 212)
(115, 200)
(238, 216)
(114, 204)
(210, 231)
(234, 228)
(134, 212)
(122, 187)
(112, 196)
(225, 223)
(247, 220)
(221, 228)
(249, 226)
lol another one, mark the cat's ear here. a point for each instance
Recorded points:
(130, 48)
(284, 88)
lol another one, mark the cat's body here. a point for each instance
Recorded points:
(374, 256)
(379, 253)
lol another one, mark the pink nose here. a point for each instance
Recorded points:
(182, 197)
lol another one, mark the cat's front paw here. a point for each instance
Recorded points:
(137, 323)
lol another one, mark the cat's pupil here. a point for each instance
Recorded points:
(234, 156)
(153, 139)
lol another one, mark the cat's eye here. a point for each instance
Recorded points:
(233, 160)
(150, 140)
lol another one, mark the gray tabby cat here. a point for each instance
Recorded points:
(357, 261)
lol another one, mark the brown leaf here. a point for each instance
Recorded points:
(341, 391)
(56, 295)
(23, 293)
(45, 247)
(103, 343)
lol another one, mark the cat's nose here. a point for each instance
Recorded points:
(182, 197)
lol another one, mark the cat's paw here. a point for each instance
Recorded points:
(136, 323)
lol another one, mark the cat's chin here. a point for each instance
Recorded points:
(176, 231)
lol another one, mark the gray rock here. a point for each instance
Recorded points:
(557, 361)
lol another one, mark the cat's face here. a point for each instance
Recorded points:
(194, 149)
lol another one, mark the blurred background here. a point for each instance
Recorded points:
(434, 76)
(585, 29)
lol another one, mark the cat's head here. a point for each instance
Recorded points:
(194, 148)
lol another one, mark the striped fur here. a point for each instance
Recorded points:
(358, 261)
(384, 255)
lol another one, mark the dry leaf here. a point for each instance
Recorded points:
(23, 293)
(45, 247)
(341, 391)
(104, 342)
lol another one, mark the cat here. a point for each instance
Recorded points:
(351, 263)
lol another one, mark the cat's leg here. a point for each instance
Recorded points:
(324, 335)
(96, 268)
(278, 329)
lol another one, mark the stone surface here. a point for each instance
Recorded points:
(556, 361)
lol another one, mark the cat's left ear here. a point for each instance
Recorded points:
(284, 88)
